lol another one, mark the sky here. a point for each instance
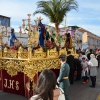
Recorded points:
(87, 16)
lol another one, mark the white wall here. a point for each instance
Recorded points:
(21, 39)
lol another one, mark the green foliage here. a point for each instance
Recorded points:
(55, 10)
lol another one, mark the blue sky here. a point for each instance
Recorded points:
(87, 16)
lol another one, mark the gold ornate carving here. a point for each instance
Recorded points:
(31, 62)
(39, 54)
(52, 53)
(20, 50)
(71, 50)
(10, 53)
(31, 65)
(24, 55)
(39, 50)
(63, 51)
(5, 49)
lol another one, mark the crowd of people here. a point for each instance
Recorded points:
(86, 67)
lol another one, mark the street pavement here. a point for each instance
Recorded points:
(77, 91)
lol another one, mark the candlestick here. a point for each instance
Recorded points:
(3, 33)
(29, 16)
(23, 20)
(20, 32)
(20, 28)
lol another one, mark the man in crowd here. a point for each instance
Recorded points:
(70, 61)
(88, 55)
(63, 79)
(79, 67)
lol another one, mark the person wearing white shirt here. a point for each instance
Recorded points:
(93, 63)
(84, 65)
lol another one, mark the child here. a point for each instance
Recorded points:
(84, 65)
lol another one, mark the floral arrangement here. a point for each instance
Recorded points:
(5, 44)
(34, 44)
(15, 47)
(24, 45)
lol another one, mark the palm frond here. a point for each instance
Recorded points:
(55, 10)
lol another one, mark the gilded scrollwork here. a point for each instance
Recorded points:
(24, 55)
(30, 64)
(63, 51)
(10, 53)
(39, 55)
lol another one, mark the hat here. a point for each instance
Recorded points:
(92, 56)
(84, 57)
(62, 56)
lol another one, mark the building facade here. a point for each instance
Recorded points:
(91, 39)
(4, 21)
(78, 38)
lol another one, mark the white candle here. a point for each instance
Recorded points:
(23, 21)
(29, 16)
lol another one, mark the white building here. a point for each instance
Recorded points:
(92, 40)
(78, 38)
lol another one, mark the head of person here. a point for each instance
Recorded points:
(80, 54)
(62, 58)
(46, 84)
(39, 20)
(12, 30)
(91, 50)
(83, 59)
(83, 53)
(92, 56)
(94, 60)
(68, 35)
(68, 52)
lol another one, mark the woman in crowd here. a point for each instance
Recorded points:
(45, 86)
(93, 63)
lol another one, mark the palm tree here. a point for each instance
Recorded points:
(55, 10)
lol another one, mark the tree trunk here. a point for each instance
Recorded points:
(57, 27)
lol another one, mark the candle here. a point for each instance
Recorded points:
(29, 16)
(23, 21)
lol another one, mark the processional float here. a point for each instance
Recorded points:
(29, 62)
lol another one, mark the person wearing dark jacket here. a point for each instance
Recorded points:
(70, 61)
(79, 69)
(88, 55)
